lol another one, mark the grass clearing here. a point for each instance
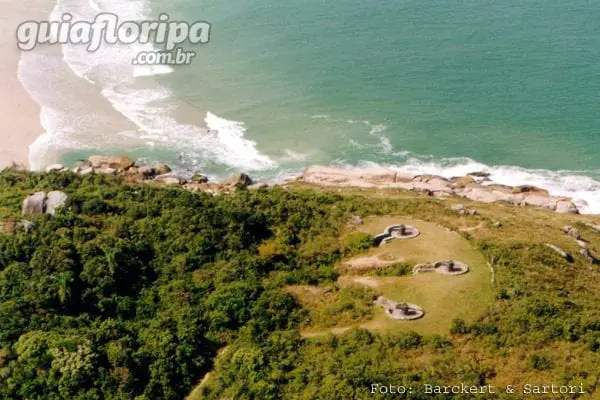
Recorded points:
(443, 297)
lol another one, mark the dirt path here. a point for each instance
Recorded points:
(366, 263)
(361, 280)
(195, 395)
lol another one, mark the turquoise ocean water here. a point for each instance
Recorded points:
(507, 86)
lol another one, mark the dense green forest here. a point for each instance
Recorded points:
(131, 292)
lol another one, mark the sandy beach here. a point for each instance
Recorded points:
(20, 122)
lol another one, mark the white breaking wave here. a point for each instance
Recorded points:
(152, 108)
(235, 147)
(377, 130)
(132, 92)
(573, 184)
(578, 185)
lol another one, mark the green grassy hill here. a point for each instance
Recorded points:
(134, 292)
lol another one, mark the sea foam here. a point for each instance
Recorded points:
(578, 185)
(134, 93)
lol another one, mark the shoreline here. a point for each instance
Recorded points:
(20, 125)
(475, 186)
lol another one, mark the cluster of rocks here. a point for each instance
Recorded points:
(475, 186)
(583, 244)
(161, 174)
(400, 311)
(560, 252)
(35, 204)
(462, 210)
(595, 228)
(42, 202)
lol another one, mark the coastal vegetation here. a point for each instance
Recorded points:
(136, 291)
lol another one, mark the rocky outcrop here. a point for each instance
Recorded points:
(114, 162)
(370, 177)
(587, 254)
(54, 200)
(145, 171)
(105, 171)
(530, 189)
(479, 174)
(595, 228)
(55, 167)
(34, 204)
(169, 180)
(355, 220)
(462, 182)
(459, 208)
(462, 210)
(470, 187)
(39, 203)
(560, 252)
(566, 206)
(576, 235)
(432, 185)
(239, 180)
(162, 169)
(199, 178)
(572, 232)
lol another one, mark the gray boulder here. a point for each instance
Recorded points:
(105, 171)
(459, 208)
(590, 257)
(86, 171)
(239, 179)
(55, 167)
(572, 231)
(162, 169)
(39, 203)
(199, 178)
(595, 228)
(115, 162)
(479, 174)
(356, 220)
(560, 252)
(54, 200)
(34, 204)
(566, 207)
(146, 171)
(530, 189)
(367, 177)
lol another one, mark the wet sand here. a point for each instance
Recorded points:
(20, 122)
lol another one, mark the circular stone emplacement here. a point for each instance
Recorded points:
(395, 232)
(446, 267)
(400, 311)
